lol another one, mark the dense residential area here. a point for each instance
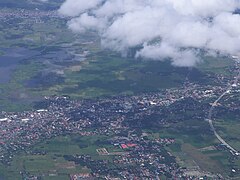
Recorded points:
(123, 120)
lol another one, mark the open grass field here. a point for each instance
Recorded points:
(229, 130)
(195, 150)
(112, 76)
(203, 161)
(216, 65)
(53, 165)
(190, 157)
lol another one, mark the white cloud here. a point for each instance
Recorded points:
(77, 7)
(175, 29)
(83, 23)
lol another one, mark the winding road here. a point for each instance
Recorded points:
(210, 120)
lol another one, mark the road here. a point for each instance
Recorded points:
(210, 120)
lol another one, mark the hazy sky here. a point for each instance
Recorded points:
(176, 29)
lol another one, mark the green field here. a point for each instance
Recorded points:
(52, 165)
(103, 73)
(229, 130)
(195, 149)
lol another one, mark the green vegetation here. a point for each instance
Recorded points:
(15, 90)
(103, 73)
(216, 65)
(194, 149)
(112, 76)
(229, 130)
(203, 161)
(107, 75)
(53, 165)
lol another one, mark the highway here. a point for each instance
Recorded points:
(210, 120)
